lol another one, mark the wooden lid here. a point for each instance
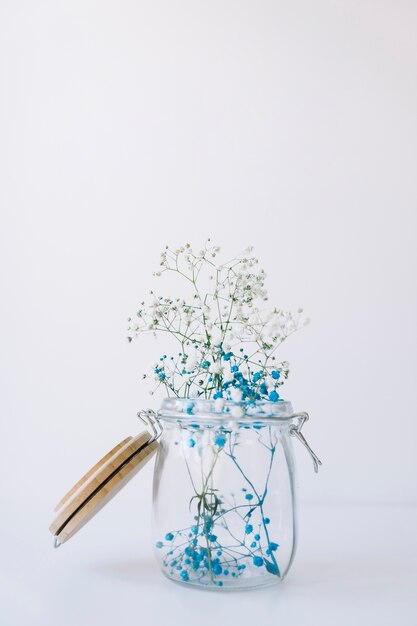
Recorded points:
(100, 484)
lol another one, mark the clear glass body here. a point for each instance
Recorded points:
(223, 498)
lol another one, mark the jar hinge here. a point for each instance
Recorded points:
(295, 430)
(149, 418)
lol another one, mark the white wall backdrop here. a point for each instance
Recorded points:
(287, 125)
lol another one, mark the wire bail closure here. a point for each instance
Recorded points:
(149, 418)
(295, 430)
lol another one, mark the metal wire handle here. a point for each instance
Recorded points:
(295, 430)
(149, 418)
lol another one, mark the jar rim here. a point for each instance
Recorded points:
(189, 409)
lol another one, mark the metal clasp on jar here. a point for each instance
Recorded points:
(295, 430)
(149, 418)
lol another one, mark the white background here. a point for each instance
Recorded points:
(128, 125)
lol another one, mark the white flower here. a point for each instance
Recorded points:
(219, 404)
(230, 311)
(269, 382)
(236, 411)
(215, 368)
(228, 377)
(191, 361)
(236, 394)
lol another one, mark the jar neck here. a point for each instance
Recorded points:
(186, 409)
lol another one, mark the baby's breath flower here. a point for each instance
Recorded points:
(219, 404)
(236, 394)
(215, 368)
(228, 377)
(236, 411)
(227, 337)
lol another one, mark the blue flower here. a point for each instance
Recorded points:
(234, 368)
(248, 529)
(258, 561)
(267, 520)
(273, 396)
(218, 394)
(257, 537)
(220, 440)
(213, 537)
(184, 576)
(159, 544)
(205, 364)
(275, 374)
(263, 389)
(273, 546)
(169, 536)
(256, 377)
(227, 356)
(249, 496)
(191, 443)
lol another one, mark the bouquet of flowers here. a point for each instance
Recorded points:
(226, 335)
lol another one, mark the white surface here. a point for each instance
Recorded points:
(127, 125)
(355, 565)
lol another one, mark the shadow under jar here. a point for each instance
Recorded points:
(223, 495)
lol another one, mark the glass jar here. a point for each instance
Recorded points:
(223, 497)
